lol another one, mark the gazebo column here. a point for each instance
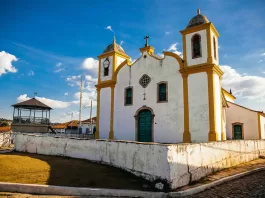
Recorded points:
(14, 113)
(49, 117)
(29, 115)
(34, 116)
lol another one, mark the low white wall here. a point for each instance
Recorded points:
(5, 139)
(174, 164)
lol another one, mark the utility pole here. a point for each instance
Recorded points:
(80, 109)
(91, 117)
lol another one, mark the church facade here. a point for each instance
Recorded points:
(168, 100)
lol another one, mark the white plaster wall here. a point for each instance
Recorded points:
(216, 61)
(218, 112)
(168, 120)
(119, 60)
(85, 126)
(109, 77)
(198, 107)
(178, 164)
(204, 57)
(104, 113)
(239, 114)
(262, 126)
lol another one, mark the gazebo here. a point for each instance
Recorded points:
(31, 116)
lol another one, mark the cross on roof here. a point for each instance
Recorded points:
(146, 40)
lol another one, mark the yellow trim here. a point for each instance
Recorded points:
(179, 59)
(113, 53)
(202, 68)
(259, 127)
(209, 46)
(227, 94)
(99, 70)
(212, 136)
(186, 133)
(111, 133)
(184, 50)
(199, 28)
(114, 64)
(149, 49)
(98, 114)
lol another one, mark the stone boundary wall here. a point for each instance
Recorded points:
(5, 139)
(174, 165)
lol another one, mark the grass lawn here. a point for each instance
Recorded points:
(52, 170)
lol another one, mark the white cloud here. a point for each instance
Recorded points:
(86, 98)
(263, 54)
(173, 48)
(260, 61)
(251, 88)
(59, 70)
(6, 60)
(66, 94)
(90, 64)
(31, 73)
(59, 64)
(52, 103)
(167, 33)
(121, 43)
(109, 28)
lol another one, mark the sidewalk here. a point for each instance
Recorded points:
(258, 163)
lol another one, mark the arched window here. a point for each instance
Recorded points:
(162, 92)
(214, 48)
(128, 99)
(196, 46)
(106, 71)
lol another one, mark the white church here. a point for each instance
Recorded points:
(171, 99)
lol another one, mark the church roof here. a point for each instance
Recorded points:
(197, 20)
(114, 47)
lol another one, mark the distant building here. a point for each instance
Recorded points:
(67, 127)
(87, 126)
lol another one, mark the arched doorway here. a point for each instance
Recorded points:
(144, 125)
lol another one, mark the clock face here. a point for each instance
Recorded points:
(106, 63)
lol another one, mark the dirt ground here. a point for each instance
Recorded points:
(61, 171)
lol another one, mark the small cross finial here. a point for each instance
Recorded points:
(198, 11)
(114, 39)
(146, 40)
(230, 91)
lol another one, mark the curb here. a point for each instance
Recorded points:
(74, 191)
(201, 188)
(7, 151)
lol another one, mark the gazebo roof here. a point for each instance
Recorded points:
(32, 103)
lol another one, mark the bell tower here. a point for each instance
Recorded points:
(200, 42)
(201, 81)
(109, 60)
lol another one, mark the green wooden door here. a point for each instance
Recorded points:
(238, 132)
(145, 126)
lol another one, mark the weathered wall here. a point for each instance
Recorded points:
(217, 98)
(243, 115)
(262, 126)
(104, 112)
(168, 119)
(198, 107)
(178, 164)
(5, 139)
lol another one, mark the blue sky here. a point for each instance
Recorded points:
(46, 45)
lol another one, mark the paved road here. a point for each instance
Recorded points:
(251, 186)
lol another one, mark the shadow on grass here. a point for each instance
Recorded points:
(78, 173)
